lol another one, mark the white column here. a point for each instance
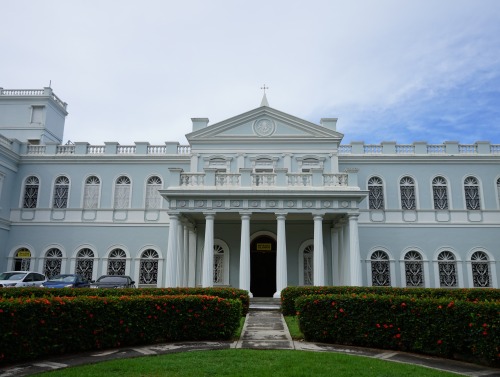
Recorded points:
(355, 256)
(281, 272)
(346, 259)
(208, 252)
(180, 254)
(245, 253)
(185, 271)
(318, 255)
(340, 269)
(335, 255)
(171, 260)
(192, 258)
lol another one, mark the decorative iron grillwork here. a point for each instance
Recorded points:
(53, 262)
(471, 189)
(480, 270)
(447, 270)
(407, 188)
(153, 197)
(309, 265)
(414, 269)
(85, 263)
(91, 193)
(61, 190)
(440, 193)
(31, 192)
(376, 193)
(381, 272)
(149, 267)
(116, 262)
(218, 264)
(122, 193)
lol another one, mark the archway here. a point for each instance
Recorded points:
(263, 266)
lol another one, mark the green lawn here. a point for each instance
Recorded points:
(248, 363)
(293, 327)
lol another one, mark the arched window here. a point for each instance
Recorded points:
(116, 262)
(381, 271)
(407, 189)
(414, 269)
(308, 258)
(440, 193)
(471, 190)
(91, 192)
(153, 197)
(53, 261)
(447, 270)
(22, 260)
(85, 263)
(218, 264)
(122, 192)
(148, 273)
(30, 198)
(480, 270)
(61, 191)
(221, 263)
(376, 193)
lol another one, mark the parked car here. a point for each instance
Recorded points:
(21, 279)
(113, 281)
(67, 281)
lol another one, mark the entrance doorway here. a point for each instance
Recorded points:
(263, 266)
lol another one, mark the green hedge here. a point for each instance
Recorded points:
(35, 327)
(290, 294)
(465, 330)
(228, 293)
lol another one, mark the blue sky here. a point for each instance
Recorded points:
(139, 70)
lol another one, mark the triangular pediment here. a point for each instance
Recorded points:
(263, 124)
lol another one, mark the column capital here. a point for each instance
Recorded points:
(245, 214)
(318, 216)
(209, 214)
(353, 216)
(281, 215)
(174, 214)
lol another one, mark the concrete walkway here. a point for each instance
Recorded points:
(264, 328)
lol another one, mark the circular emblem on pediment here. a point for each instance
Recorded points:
(218, 203)
(264, 127)
(182, 203)
(290, 203)
(200, 203)
(272, 203)
(235, 203)
(344, 204)
(255, 203)
(309, 204)
(327, 204)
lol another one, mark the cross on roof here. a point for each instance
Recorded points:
(264, 88)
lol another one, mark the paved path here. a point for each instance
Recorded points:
(264, 329)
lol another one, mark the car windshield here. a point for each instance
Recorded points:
(63, 278)
(12, 275)
(112, 279)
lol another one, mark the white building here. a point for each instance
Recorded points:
(277, 200)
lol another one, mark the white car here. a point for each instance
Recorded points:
(21, 279)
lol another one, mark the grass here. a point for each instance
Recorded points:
(248, 363)
(293, 327)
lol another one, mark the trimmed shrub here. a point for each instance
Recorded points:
(290, 294)
(228, 293)
(34, 327)
(462, 330)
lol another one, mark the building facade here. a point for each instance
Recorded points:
(276, 201)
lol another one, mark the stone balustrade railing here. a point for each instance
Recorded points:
(174, 148)
(249, 179)
(33, 92)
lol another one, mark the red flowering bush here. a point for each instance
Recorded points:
(36, 327)
(455, 329)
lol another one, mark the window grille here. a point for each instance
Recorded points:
(376, 193)
(85, 263)
(218, 264)
(440, 193)
(91, 193)
(480, 270)
(309, 265)
(31, 192)
(22, 260)
(414, 269)
(471, 189)
(61, 190)
(148, 267)
(153, 197)
(447, 270)
(116, 262)
(407, 188)
(122, 193)
(53, 262)
(381, 272)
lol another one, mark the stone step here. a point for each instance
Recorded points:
(265, 303)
